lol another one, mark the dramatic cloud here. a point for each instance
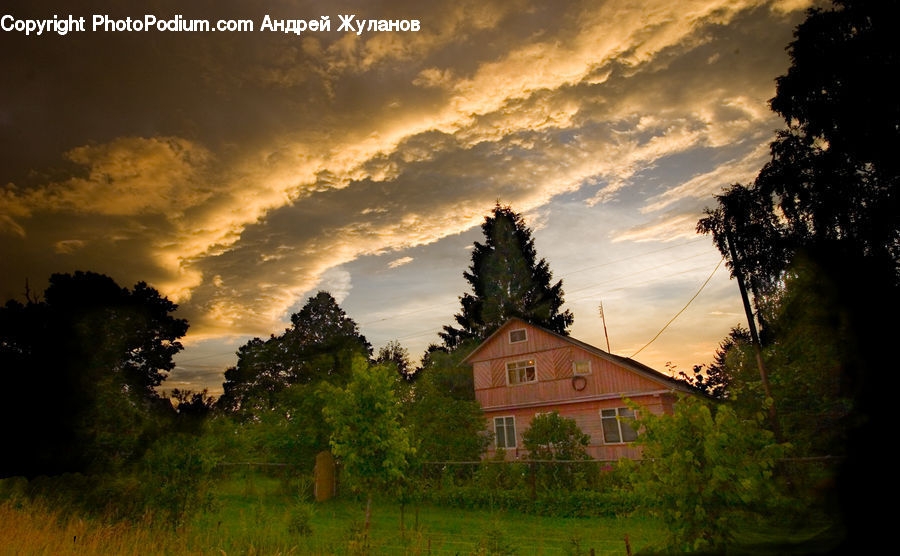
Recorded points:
(240, 172)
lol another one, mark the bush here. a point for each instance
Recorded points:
(300, 519)
(113, 497)
(704, 471)
(494, 542)
(176, 477)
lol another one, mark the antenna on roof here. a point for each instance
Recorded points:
(603, 317)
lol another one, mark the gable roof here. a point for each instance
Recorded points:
(626, 362)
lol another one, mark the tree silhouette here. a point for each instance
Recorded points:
(320, 344)
(831, 191)
(717, 378)
(394, 353)
(82, 366)
(507, 281)
(831, 186)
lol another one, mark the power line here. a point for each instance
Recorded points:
(636, 272)
(568, 274)
(634, 256)
(682, 309)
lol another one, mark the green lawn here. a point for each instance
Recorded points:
(253, 515)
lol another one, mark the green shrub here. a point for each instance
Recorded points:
(300, 519)
(176, 479)
(704, 471)
(493, 542)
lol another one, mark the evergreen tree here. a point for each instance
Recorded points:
(507, 281)
(716, 379)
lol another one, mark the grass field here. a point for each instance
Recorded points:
(252, 514)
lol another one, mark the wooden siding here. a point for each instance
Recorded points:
(555, 388)
(587, 417)
(554, 359)
(499, 345)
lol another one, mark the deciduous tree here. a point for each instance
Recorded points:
(444, 419)
(367, 436)
(82, 366)
(319, 345)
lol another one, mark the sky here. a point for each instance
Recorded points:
(241, 172)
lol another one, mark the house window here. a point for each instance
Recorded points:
(581, 367)
(519, 372)
(505, 432)
(616, 425)
(516, 336)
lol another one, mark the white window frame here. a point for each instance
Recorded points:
(533, 364)
(575, 368)
(504, 424)
(524, 332)
(618, 417)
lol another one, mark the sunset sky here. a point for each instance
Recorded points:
(239, 173)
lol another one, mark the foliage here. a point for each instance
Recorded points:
(494, 542)
(393, 352)
(558, 503)
(808, 358)
(827, 206)
(366, 433)
(717, 378)
(507, 281)
(319, 345)
(193, 409)
(807, 355)
(300, 518)
(444, 420)
(95, 352)
(835, 167)
(293, 431)
(497, 473)
(176, 477)
(705, 470)
(831, 185)
(550, 436)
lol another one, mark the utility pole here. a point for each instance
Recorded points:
(603, 316)
(754, 335)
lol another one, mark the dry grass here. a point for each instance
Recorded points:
(29, 528)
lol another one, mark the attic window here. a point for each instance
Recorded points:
(516, 336)
(520, 372)
(581, 367)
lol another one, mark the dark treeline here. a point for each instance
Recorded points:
(80, 368)
(816, 237)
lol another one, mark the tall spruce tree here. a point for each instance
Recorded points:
(507, 281)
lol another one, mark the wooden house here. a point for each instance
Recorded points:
(523, 370)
